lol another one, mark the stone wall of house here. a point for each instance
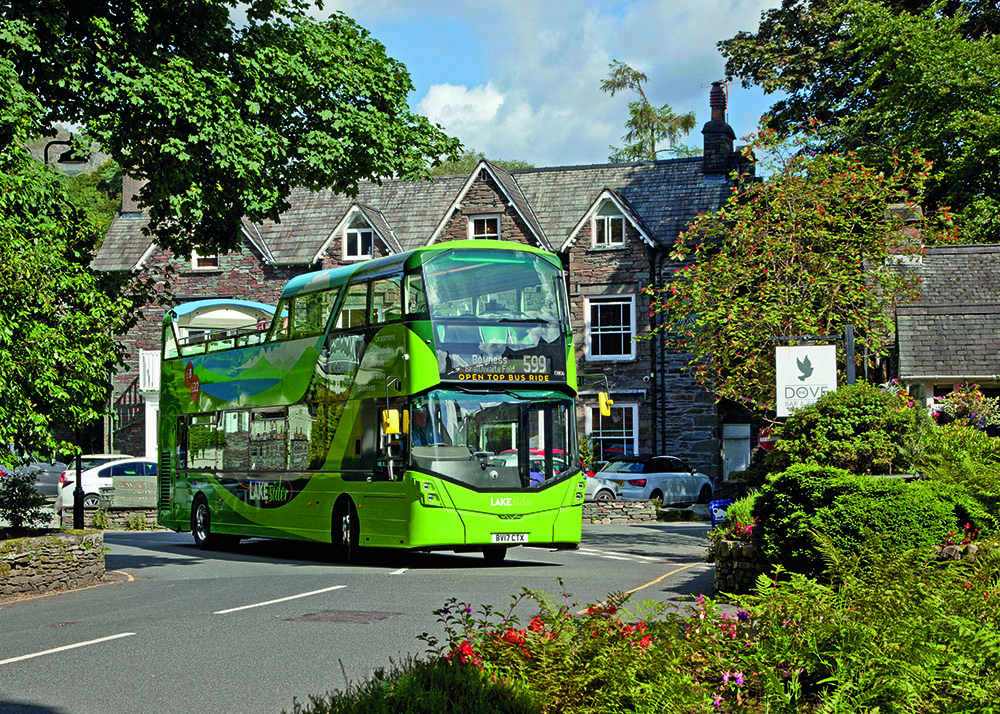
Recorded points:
(486, 198)
(54, 561)
(601, 272)
(737, 566)
(610, 512)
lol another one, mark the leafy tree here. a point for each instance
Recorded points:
(58, 320)
(97, 194)
(223, 120)
(891, 77)
(647, 125)
(467, 160)
(806, 251)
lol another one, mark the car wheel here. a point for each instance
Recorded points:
(706, 494)
(494, 554)
(346, 532)
(91, 500)
(656, 496)
(604, 495)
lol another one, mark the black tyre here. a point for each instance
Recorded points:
(656, 496)
(494, 554)
(604, 495)
(706, 494)
(346, 532)
(201, 523)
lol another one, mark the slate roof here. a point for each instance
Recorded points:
(953, 330)
(663, 196)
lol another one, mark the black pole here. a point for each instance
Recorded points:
(849, 349)
(78, 491)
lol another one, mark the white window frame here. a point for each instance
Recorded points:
(593, 428)
(589, 331)
(484, 236)
(196, 257)
(357, 231)
(606, 221)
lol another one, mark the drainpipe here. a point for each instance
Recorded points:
(656, 349)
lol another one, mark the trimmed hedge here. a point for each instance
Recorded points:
(808, 499)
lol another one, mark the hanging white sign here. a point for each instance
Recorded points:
(804, 374)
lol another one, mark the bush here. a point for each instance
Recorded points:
(20, 504)
(860, 428)
(897, 632)
(437, 686)
(809, 500)
(740, 521)
(964, 455)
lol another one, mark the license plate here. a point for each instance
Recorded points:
(510, 537)
(620, 483)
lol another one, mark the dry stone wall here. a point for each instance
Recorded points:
(55, 561)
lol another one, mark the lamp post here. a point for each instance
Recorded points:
(73, 163)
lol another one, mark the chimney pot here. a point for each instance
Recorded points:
(717, 101)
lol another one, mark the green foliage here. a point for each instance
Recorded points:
(740, 520)
(223, 119)
(967, 457)
(58, 320)
(807, 251)
(808, 502)
(467, 161)
(135, 522)
(586, 448)
(20, 504)
(860, 428)
(595, 663)
(647, 125)
(437, 686)
(894, 632)
(101, 520)
(891, 77)
(97, 195)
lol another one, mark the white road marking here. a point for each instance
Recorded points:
(613, 555)
(399, 572)
(66, 647)
(280, 599)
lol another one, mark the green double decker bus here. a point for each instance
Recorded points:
(421, 401)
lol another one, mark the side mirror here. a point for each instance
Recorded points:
(605, 403)
(390, 421)
(406, 421)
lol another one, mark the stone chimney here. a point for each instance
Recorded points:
(130, 191)
(718, 159)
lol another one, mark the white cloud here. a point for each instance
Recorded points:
(543, 63)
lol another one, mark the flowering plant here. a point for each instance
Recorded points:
(966, 403)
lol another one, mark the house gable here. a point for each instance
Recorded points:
(491, 190)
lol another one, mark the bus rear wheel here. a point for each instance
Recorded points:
(201, 527)
(346, 532)
(494, 554)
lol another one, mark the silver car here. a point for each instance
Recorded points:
(666, 478)
(601, 489)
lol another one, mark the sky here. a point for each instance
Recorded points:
(520, 79)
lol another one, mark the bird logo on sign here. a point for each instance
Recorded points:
(805, 367)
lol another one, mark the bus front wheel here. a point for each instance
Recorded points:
(346, 531)
(494, 554)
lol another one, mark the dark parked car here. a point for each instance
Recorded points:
(46, 474)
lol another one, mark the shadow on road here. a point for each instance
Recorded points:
(156, 550)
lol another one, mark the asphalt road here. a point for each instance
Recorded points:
(248, 630)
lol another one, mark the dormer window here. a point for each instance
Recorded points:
(485, 227)
(204, 262)
(609, 227)
(358, 244)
